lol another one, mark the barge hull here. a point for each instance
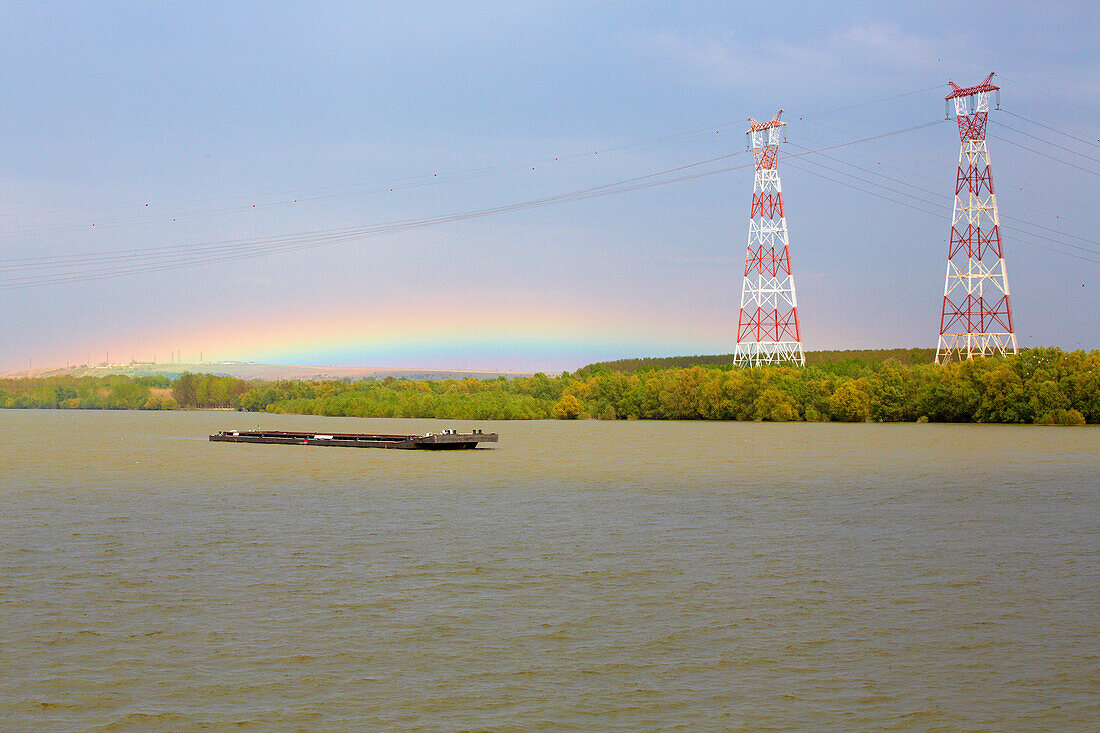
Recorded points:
(444, 441)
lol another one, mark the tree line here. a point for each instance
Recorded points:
(837, 361)
(116, 392)
(1044, 385)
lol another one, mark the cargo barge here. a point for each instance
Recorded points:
(445, 440)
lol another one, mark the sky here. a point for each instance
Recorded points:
(275, 182)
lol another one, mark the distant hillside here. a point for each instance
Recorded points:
(851, 359)
(267, 372)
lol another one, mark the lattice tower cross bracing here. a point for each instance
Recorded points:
(976, 319)
(767, 328)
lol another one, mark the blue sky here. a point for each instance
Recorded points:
(313, 112)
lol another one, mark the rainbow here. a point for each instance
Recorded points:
(482, 332)
(434, 336)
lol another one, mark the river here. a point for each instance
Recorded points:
(578, 575)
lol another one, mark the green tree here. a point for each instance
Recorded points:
(775, 405)
(1003, 398)
(891, 393)
(568, 408)
(952, 392)
(1048, 403)
(185, 390)
(851, 402)
(159, 402)
(1061, 417)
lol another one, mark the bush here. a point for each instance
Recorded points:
(568, 408)
(775, 406)
(851, 402)
(160, 402)
(1061, 417)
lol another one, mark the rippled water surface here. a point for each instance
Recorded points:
(584, 575)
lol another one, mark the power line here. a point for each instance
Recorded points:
(241, 249)
(1040, 153)
(905, 203)
(1046, 142)
(1045, 93)
(167, 250)
(842, 182)
(257, 248)
(939, 195)
(406, 182)
(401, 184)
(874, 183)
(298, 196)
(1094, 143)
(881, 99)
(918, 157)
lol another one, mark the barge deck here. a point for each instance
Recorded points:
(446, 440)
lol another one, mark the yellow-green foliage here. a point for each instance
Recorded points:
(1039, 385)
(1045, 386)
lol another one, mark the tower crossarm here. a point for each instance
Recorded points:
(958, 91)
(755, 126)
(971, 108)
(764, 140)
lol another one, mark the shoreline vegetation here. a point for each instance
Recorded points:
(1045, 386)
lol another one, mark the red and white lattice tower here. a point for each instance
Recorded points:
(977, 316)
(767, 329)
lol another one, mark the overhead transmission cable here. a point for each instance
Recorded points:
(880, 100)
(1014, 229)
(927, 159)
(1094, 143)
(908, 204)
(1046, 142)
(405, 183)
(274, 245)
(129, 254)
(1042, 154)
(1046, 93)
(948, 199)
(399, 184)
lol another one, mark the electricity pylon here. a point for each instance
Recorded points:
(767, 327)
(976, 319)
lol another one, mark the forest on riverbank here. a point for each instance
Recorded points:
(1043, 385)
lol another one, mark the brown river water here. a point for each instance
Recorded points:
(577, 576)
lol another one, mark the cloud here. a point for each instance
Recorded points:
(858, 53)
(719, 64)
(886, 44)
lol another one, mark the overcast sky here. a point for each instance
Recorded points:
(127, 128)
